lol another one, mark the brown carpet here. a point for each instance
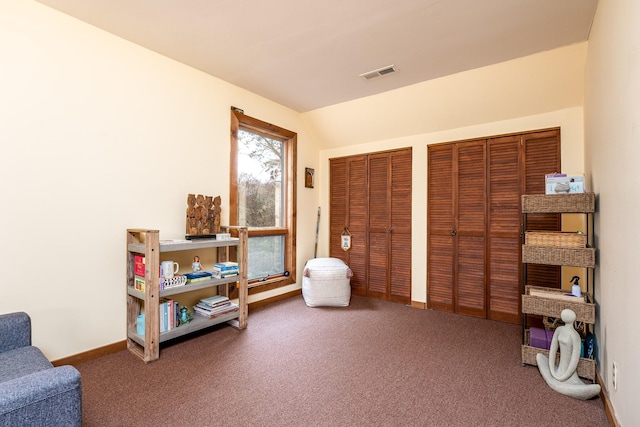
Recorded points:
(373, 363)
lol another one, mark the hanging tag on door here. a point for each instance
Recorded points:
(346, 239)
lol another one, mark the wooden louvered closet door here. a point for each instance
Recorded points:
(348, 209)
(400, 224)
(470, 229)
(390, 226)
(379, 203)
(459, 278)
(440, 223)
(503, 227)
(371, 197)
(517, 165)
(456, 228)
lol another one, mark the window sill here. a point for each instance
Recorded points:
(269, 284)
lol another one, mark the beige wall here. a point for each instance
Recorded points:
(536, 84)
(99, 135)
(563, 108)
(612, 147)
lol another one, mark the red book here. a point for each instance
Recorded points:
(139, 265)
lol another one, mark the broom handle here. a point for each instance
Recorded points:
(315, 250)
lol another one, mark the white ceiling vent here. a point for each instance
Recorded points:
(379, 72)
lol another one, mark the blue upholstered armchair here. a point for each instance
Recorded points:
(32, 391)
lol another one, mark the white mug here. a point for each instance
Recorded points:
(168, 269)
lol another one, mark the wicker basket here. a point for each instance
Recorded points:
(546, 302)
(586, 367)
(560, 239)
(559, 203)
(584, 257)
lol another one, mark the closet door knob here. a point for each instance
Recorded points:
(453, 232)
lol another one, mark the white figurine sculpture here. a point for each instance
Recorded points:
(564, 379)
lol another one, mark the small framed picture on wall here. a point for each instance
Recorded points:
(308, 177)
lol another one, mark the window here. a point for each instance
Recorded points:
(262, 198)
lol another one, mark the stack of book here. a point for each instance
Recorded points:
(214, 306)
(198, 276)
(168, 314)
(225, 269)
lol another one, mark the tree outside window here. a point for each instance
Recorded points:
(263, 197)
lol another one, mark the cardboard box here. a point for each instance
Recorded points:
(564, 184)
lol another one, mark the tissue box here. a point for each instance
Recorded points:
(564, 184)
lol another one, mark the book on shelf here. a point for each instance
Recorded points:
(168, 314)
(226, 265)
(216, 299)
(139, 265)
(214, 306)
(138, 283)
(220, 311)
(223, 274)
(210, 308)
(198, 275)
(560, 296)
(160, 316)
(201, 279)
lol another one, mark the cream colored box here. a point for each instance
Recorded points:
(565, 184)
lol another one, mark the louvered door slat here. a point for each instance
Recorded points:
(378, 266)
(470, 231)
(337, 206)
(504, 186)
(470, 287)
(542, 156)
(504, 279)
(401, 197)
(348, 192)
(357, 223)
(379, 192)
(503, 273)
(379, 219)
(400, 268)
(440, 247)
(400, 226)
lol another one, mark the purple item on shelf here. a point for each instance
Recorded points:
(540, 338)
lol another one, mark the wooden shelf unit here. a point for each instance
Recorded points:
(552, 306)
(147, 242)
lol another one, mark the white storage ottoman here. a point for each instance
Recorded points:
(326, 282)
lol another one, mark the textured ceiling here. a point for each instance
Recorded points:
(309, 54)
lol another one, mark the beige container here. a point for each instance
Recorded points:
(326, 282)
